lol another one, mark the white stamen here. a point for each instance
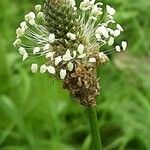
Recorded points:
(119, 27)
(103, 57)
(70, 66)
(124, 45)
(23, 25)
(46, 47)
(25, 56)
(86, 4)
(93, 18)
(92, 60)
(17, 42)
(63, 74)
(82, 56)
(117, 32)
(20, 32)
(58, 60)
(30, 17)
(50, 55)
(96, 10)
(110, 31)
(118, 49)
(67, 56)
(22, 51)
(32, 22)
(110, 10)
(38, 7)
(72, 3)
(80, 48)
(111, 41)
(36, 50)
(74, 54)
(43, 69)
(102, 30)
(40, 15)
(51, 38)
(71, 36)
(51, 70)
(34, 68)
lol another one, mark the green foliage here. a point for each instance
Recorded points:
(37, 114)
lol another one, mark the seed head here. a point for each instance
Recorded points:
(70, 40)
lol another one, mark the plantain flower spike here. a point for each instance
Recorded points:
(70, 41)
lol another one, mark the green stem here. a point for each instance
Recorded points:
(92, 115)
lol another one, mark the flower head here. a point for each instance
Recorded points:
(70, 39)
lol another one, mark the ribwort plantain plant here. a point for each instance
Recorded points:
(70, 40)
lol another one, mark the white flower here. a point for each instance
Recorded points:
(20, 32)
(43, 69)
(58, 60)
(111, 41)
(50, 55)
(92, 60)
(36, 50)
(38, 7)
(34, 68)
(17, 42)
(71, 36)
(67, 56)
(51, 38)
(119, 27)
(80, 48)
(118, 49)
(63, 74)
(124, 45)
(110, 10)
(70, 66)
(51, 70)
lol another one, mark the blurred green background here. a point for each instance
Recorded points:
(37, 114)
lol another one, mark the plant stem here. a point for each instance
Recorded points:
(92, 115)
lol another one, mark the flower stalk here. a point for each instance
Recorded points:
(96, 138)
